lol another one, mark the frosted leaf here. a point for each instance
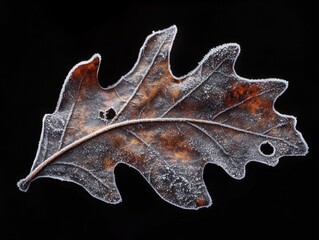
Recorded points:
(167, 128)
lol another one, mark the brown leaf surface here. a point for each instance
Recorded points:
(167, 128)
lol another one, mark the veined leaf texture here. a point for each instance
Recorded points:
(166, 127)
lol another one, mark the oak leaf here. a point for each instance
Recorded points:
(166, 127)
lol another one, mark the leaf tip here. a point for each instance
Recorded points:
(88, 68)
(282, 84)
(172, 30)
(94, 62)
(232, 48)
(228, 50)
(96, 58)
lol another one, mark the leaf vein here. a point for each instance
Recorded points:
(82, 168)
(211, 138)
(240, 103)
(70, 114)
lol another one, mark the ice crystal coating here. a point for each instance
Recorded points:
(166, 127)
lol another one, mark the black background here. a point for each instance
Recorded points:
(41, 41)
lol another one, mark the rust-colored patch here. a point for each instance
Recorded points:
(240, 92)
(136, 158)
(258, 105)
(148, 135)
(108, 164)
(175, 91)
(176, 147)
(169, 85)
(90, 68)
(200, 202)
(255, 103)
(135, 148)
(77, 73)
(170, 143)
(118, 139)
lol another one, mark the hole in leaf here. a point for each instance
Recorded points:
(102, 114)
(110, 114)
(267, 149)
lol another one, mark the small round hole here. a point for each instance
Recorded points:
(110, 114)
(267, 149)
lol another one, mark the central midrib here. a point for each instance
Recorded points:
(140, 121)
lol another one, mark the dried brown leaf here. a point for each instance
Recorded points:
(167, 128)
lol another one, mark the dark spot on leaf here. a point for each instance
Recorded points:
(102, 114)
